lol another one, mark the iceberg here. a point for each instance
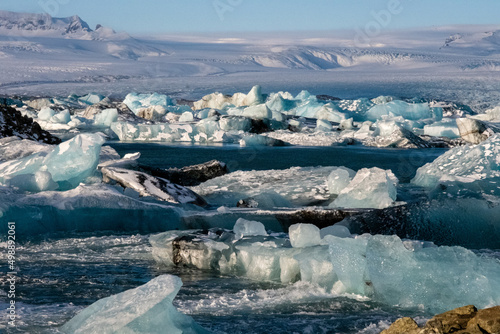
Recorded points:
(474, 167)
(243, 228)
(299, 185)
(339, 179)
(68, 164)
(410, 111)
(370, 188)
(260, 111)
(446, 128)
(135, 101)
(145, 309)
(389, 270)
(106, 117)
(221, 101)
(304, 235)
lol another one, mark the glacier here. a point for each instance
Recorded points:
(146, 309)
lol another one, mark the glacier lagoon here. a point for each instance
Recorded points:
(108, 236)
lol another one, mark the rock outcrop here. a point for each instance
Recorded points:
(462, 320)
(13, 123)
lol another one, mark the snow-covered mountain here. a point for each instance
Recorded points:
(42, 25)
(487, 42)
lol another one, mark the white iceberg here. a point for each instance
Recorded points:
(339, 179)
(244, 228)
(473, 166)
(370, 188)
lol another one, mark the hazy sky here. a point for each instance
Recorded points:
(164, 16)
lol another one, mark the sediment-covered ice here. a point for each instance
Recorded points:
(67, 164)
(370, 188)
(408, 274)
(146, 309)
(147, 185)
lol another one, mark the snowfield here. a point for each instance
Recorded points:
(40, 55)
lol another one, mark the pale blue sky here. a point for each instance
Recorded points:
(164, 16)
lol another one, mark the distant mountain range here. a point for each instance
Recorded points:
(44, 25)
(43, 54)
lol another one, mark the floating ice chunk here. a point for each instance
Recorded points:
(298, 185)
(243, 228)
(221, 101)
(339, 179)
(69, 163)
(147, 185)
(400, 273)
(347, 124)
(254, 97)
(467, 166)
(323, 126)
(446, 128)
(260, 111)
(304, 235)
(370, 188)
(336, 230)
(135, 101)
(144, 132)
(330, 113)
(62, 117)
(186, 117)
(146, 309)
(260, 140)
(45, 114)
(235, 123)
(397, 275)
(411, 111)
(280, 102)
(106, 117)
(91, 98)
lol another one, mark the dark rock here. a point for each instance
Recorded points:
(325, 97)
(13, 123)
(189, 175)
(320, 217)
(259, 126)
